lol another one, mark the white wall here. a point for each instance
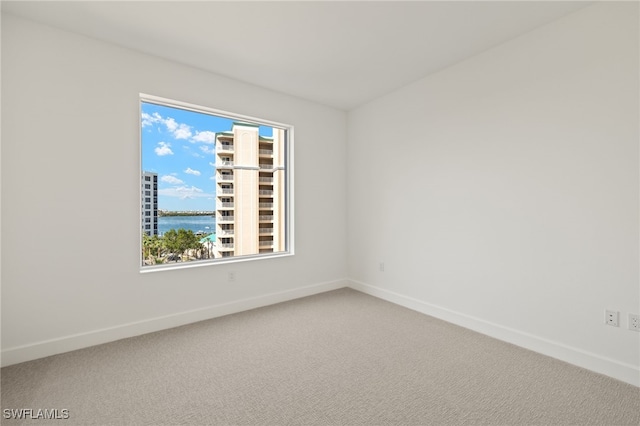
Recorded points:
(502, 193)
(70, 196)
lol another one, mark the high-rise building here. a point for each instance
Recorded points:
(149, 203)
(250, 198)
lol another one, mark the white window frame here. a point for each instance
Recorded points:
(288, 184)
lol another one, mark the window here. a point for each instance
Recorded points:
(221, 186)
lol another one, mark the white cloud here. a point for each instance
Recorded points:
(170, 123)
(184, 192)
(163, 148)
(190, 171)
(207, 150)
(178, 130)
(205, 137)
(171, 179)
(148, 120)
(182, 132)
(212, 164)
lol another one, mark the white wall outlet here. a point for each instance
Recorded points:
(381, 266)
(611, 318)
(634, 322)
(231, 276)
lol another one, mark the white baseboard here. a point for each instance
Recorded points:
(624, 372)
(60, 345)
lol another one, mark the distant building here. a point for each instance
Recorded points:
(149, 203)
(250, 195)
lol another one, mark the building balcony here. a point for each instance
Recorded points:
(265, 166)
(225, 178)
(265, 231)
(265, 179)
(266, 192)
(226, 246)
(265, 205)
(225, 219)
(224, 164)
(226, 205)
(267, 243)
(224, 147)
(264, 152)
(226, 232)
(225, 191)
(266, 218)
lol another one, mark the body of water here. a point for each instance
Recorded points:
(206, 224)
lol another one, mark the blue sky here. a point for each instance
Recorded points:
(179, 146)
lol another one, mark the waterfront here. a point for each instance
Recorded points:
(206, 224)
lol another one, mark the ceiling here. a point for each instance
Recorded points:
(338, 53)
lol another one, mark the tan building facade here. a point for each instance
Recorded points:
(250, 198)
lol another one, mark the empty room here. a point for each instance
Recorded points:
(320, 213)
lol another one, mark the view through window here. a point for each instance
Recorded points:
(213, 185)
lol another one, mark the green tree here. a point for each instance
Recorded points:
(196, 245)
(157, 245)
(181, 240)
(146, 241)
(151, 245)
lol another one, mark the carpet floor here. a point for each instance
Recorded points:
(336, 358)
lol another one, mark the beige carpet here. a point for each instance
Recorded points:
(338, 358)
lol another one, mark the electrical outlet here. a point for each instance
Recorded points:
(381, 266)
(231, 277)
(634, 322)
(611, 317)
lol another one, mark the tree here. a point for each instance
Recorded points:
(146, 246)
(196, 245)
(181, 240)
(156, 244)
(151, 245)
